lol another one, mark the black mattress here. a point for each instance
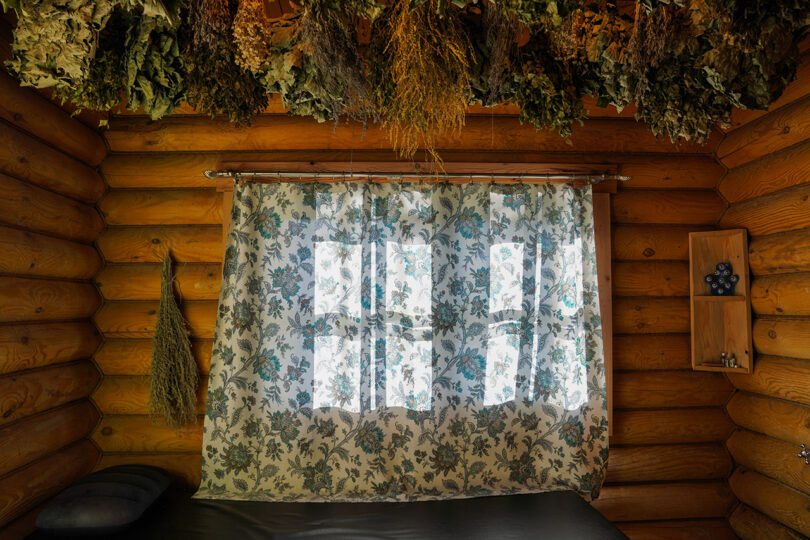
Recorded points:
(552, 516)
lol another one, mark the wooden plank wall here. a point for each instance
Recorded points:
(47, 227)
(768, 188)
(668, 466)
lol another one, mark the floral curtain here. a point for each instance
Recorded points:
(406, 342)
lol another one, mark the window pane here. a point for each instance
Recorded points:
(408, 280)
(505, 277)
(337, 373)
(408, 372)
(337, 278)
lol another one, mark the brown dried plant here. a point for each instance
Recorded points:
(173, 386)
(251, 33)
(329, 40)
(428, 59)
(653, 34)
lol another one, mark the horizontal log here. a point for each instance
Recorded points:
(782, 337)
(27, 206)
(185, 468)
(653, 278)
(774, 376)
(670, 426)
(142, 281)
(651, 352)
(695, 529)
(635, 464)
(657, 389)
(162, 207)
(134, 356)
(682, 500)
(35, 254)
(148, 244)
(781, 294)
(773, 132)
(749, 524)
(785, 505)
(780, 253)
(651, 242)
(779, 419)
(796, 90)
(666, 207)
(26, 346)
(184, 169)
(773, 172)
(299, 133)
(659, 172)
(785, 210)
(29, 392)
(24, 299)
(642, 315)
(137, 319)
(133, 434)
(35, 437)
(25, 158)
(768, 457)
(128, 394)
(33, 113)
(42, 479)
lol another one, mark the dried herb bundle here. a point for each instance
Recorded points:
(56, 40)
(215, 83)
(155, 73)
(102, 88)
(173, 385)
(329, 41)
(495, 40)
(546, 88)
(252, 34)
(421, 74)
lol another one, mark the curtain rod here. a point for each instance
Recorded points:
(238, 176)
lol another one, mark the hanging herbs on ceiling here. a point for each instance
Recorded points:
(420, 73)
(55, 40)
(215, 84)
(328, 40)
(154, 70)
(685, 63)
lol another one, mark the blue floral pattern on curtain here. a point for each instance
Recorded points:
(406, 342)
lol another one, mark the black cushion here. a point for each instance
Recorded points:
(547, 516)
(104, 502)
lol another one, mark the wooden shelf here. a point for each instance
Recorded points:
(720, 323)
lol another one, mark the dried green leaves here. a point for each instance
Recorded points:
(55, 41)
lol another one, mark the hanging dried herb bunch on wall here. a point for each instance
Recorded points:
(421, 73)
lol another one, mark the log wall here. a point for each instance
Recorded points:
(768, 191)
(668, 467)
(48, 224)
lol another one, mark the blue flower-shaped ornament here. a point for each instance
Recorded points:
(722, 280)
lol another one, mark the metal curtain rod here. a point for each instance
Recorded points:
(279, 175)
